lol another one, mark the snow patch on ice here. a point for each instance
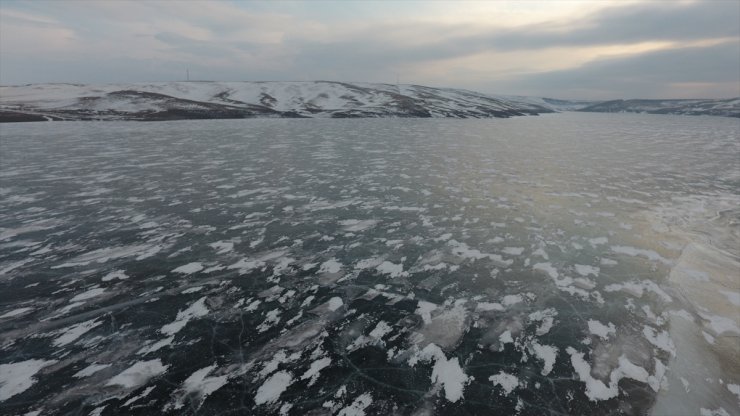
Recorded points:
(424, 309)
(189, 268)
(15, 378)
(115, 274)
(90, 370)
(596, 389)
(71, 333)
(196, 310)
(331, 266)
(15, 312)
(601, 330)
(446, 372)
(357, 225)
(358, 406)
(585, 270)
(547, 353)
(335, 303)
(312, 373)
(634, 252)
(391, 269)
(661, 339)
(508, 382)
(87, 295)
(198, 386)
(273, 387)
(138, 374)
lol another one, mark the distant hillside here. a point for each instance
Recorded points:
(209, 100)
(727, 108)
(302, 99)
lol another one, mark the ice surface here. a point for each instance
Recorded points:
(371, 266)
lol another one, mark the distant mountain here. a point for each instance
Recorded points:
(727, 107)
(302, 99)
(553, 104)
(209, 100)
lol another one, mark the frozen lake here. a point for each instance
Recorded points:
(574, 263)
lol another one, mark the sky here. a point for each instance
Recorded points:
(564, 49)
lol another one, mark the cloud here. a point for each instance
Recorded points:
(652, 74)
(494, 43)
(653, 21)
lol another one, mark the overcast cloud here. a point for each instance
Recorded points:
(599, 50)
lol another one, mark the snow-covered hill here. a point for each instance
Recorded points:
(195, 100)
(727, 108)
